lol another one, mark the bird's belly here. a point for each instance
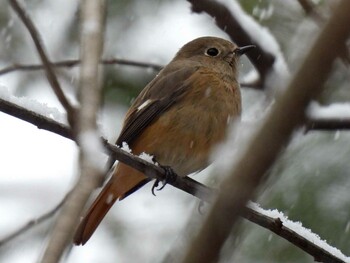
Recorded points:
(185, 137)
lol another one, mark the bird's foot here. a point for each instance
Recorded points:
(170, 176)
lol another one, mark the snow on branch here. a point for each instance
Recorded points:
(92, 28)
(50, 73)
(295, 233)
(244, 31)
(311, 10)
(188, 185)
(333, 117)
(252, 166)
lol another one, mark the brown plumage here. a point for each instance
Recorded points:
(178, 118)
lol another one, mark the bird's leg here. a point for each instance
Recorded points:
(170, 176)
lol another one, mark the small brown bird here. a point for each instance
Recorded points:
(179, 117)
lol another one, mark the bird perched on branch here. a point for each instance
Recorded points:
(178, 118)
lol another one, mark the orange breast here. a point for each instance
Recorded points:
(184, 136)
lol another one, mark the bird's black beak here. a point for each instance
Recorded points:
(242, 50)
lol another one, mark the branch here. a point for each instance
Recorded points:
(327, 124)
(50, 74)
(75, 62)
(228, 22)
(91, 41)
(273, 136)
(34, 222)
(186, 184)
(37, 119)
(311, 10)
(278, 226)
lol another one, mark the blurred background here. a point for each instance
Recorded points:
(310, 183)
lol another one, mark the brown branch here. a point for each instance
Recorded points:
(186, 184)
(37, 119)
(276, 225)
(75, 62)
(251, 168)
(91, 47)
(50, 73)
(310, 9)
(34, 222)
(260, 58)
(327, 124)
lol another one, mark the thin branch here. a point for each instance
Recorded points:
(113, 61)
(37, 119)
(91, 42)
(277, 226)
(186, 184)
(311, 10)
(240, 185)
(260, 58)
(75, 62)
(34, 222)
(50, 73)
(327, 124)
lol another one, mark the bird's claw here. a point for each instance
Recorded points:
(170, 176)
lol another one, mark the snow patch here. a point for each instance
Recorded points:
(91, 145)
(33, 105)
(336, 110)
(263, 37)
(125, 147)
(300, 230)
(147, 157)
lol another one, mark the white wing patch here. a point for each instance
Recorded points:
(143, 105)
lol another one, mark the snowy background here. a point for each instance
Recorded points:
(309, 184)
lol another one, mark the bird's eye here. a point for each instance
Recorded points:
(212, 52)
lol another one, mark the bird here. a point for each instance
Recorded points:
(178, 118)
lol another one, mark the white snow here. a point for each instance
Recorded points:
(125, 147)
(279, 76)
(33, 105)
(147, 157)
(299, 229)
(260, 34)
(90, 143)
(250, 77)
(336, 110)
(263, 13)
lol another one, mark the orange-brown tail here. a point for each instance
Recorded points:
(123, 182)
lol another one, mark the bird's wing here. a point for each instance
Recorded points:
(156, 98)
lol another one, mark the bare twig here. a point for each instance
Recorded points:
(277, 226)
(186, 184)
(92, 35)
(50, 73)
(327, 124)
(275, 133)
(75, 62)
(42, 122)
(311, 10)
(34, 222)
(261, 59)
